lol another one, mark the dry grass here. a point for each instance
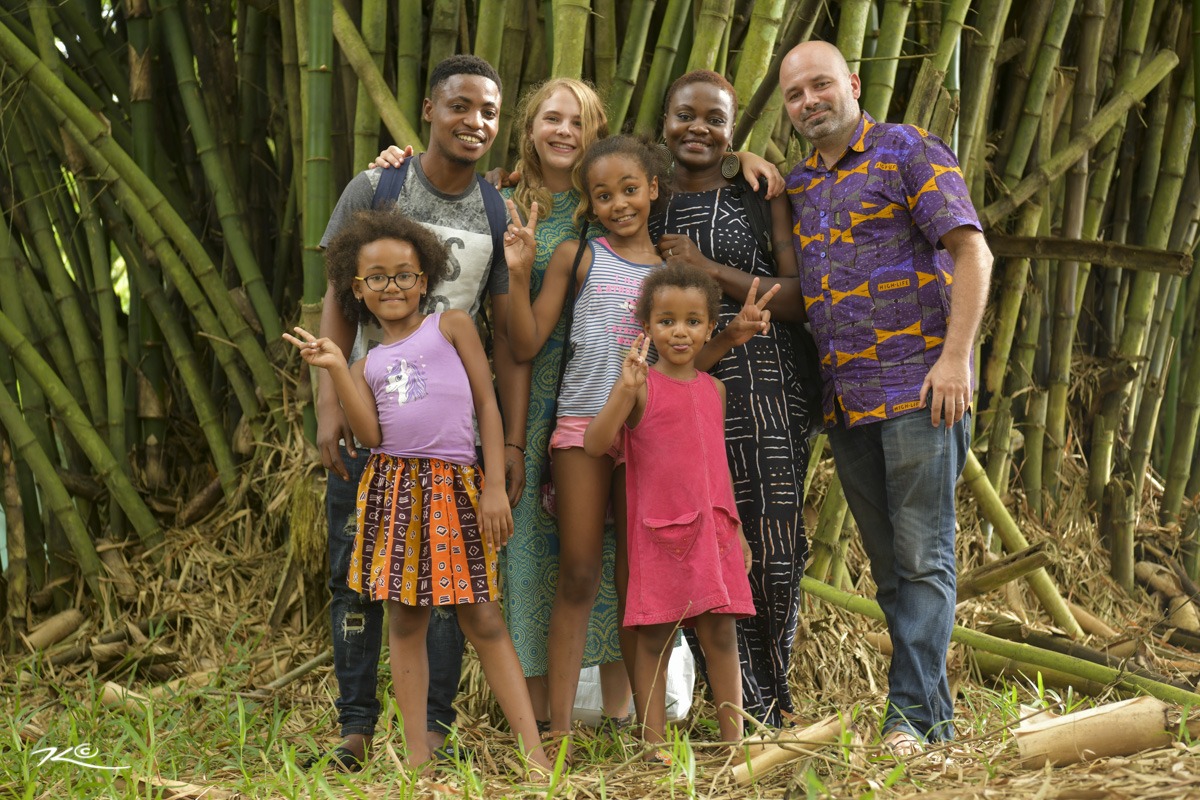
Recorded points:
(227, 739)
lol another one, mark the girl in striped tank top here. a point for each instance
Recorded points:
(622, 179)
(428, 523)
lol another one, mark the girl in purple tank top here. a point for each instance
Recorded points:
(428, 524)
(687, 556)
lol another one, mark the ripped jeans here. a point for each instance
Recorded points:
(357, 625)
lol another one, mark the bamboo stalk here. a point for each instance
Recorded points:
(604, 48)
(53, 494)
(852, 30)
(829, 530)
(511, 62)
(766, 18)
(76, 421)
(361, 60)
(630, 63)
(1108, 115)
(1022, 652)
(373, 30)
(993, 510)
(997, 573)
(712, 24)
(978, 87)
(18, 583)
(1070, 273)
(798, 28)
(1097, 253)
(1035, 96)
(237, 241)
(665, 50)
(879, 74)
(570, 34)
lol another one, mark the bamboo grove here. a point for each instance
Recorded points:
(169, 166)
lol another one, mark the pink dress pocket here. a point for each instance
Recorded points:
(675, 536)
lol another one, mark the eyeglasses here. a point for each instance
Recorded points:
(379, 282)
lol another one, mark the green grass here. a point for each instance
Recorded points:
(241, 746)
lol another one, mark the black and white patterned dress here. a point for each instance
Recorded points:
(766, 436)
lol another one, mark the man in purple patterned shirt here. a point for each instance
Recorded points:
(895, 272)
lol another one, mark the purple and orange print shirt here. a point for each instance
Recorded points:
(876, 281)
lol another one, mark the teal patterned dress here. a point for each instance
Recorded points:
(529, 562)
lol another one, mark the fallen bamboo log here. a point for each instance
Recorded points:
(1090, 623)
(773, 754)
(1015, 632)
(1116, 729)
(1021, 652)
(1001, 667)
(993, 510)
(1098, 254)
(54, 630)
(982, 580)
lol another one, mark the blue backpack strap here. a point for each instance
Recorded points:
(388, 189)
(497, 214)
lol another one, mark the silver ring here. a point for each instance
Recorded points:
(670, 251)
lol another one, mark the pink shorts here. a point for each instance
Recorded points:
(568, 433)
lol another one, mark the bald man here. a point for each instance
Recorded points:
(894, 270)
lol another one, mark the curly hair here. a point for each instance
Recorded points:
(594, 122)
(702, 76)
(652, 158)
(462, 64)
(678, 276)
(341, 257)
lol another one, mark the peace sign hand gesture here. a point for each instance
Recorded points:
(520, 247)
(754, 318)
(633, 370)
(321, 353)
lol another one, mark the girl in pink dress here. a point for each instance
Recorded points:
(686, 552)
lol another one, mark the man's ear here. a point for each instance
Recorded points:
(427, 109)
(855, 85)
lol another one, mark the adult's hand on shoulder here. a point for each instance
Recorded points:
(759, 172)
(946, 390)
(502, 178)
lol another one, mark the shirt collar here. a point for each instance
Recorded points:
(859, 142)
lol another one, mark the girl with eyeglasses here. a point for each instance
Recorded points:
(429, 522)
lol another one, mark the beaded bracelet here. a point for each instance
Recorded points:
(510, 444)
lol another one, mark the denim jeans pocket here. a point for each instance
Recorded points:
(675, 536)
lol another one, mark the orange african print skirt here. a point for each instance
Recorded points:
(419, 540)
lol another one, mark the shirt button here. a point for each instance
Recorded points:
(822, 254)
(822, 213)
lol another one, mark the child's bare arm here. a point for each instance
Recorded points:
(531, 323)
(625, 402)
(494, 512)
(754, 318)
(356, 398)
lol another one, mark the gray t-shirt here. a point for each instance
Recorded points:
(460, 221)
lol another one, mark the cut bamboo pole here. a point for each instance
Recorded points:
(1004, 570)
(993, 510)
(54, 630)
(800, 744)
(1116, 729)
(1002, 667)
(1090, 623)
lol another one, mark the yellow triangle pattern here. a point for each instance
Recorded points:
(882, 336)
(875, 413)
(931, 184)
(869, 354)
(887, 212)
(839, 233)
(861, 169)
(862, 290)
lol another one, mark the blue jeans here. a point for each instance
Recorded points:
(898, 476)
(357, 624)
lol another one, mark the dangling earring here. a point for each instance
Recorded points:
(730, 166)
(668, 157)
